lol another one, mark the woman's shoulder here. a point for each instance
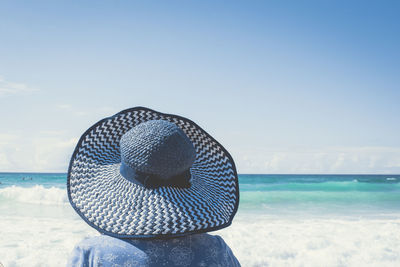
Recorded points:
(102, 241)
(106, 251)
(197, 249)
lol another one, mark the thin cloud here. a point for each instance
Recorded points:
(43, 153)
(6, 138)
(79, 112)
(52, 132)
(51, 150)
(14, 88)
(64, 106)
(327, 160)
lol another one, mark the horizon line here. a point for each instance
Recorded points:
(31, 172)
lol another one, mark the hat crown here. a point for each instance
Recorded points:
(157, 147)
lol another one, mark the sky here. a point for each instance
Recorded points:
(285, 86)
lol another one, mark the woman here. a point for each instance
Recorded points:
(153, 184)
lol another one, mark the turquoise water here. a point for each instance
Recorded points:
(275, 193)
(283, 220)
(325, 194)
(47, 180)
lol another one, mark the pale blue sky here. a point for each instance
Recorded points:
(285, 86)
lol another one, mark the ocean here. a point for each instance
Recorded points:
(282, 220)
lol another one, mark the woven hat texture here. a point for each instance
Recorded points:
(156, 143)
(157, 147)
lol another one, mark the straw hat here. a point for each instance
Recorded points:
(142, 174)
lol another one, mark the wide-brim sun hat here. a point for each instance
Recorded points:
(144, 174)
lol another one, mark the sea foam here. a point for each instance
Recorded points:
(34, 195)
(255, 241)
(291, 221)
(314, 241)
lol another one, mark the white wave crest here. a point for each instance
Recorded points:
(314, 242)
(35, 195)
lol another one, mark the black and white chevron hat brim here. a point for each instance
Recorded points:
(117, 207)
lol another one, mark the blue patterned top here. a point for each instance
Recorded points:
(191, 250)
